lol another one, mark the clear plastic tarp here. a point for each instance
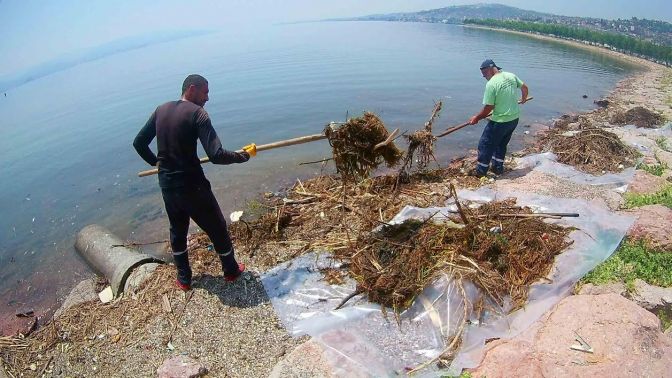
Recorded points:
(547, 163)
(361, 340)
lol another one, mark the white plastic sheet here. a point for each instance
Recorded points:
(360, 341)
(547, 163)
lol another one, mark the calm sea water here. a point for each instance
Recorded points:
(67, 159)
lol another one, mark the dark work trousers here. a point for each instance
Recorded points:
(492, 146)
(199, 204)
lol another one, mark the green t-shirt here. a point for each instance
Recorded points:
(502, 92)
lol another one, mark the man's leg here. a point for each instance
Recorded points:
(500, 150)
(179, 226)
(486, 146)
(206, 213)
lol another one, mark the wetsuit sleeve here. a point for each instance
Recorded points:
(144, 138)
(211, 144)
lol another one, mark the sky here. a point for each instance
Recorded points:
(37, 31)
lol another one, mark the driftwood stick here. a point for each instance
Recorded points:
(316, 161)
(435, 113)
(137, 244)
(457, 203)
(349, 297)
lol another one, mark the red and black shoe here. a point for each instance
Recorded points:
(182, 286)
(233, 277)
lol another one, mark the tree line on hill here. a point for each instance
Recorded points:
(635, 46)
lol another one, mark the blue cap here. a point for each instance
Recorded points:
(489, 63)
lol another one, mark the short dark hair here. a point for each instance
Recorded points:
(193, 79)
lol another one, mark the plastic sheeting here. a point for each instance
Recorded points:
(360, 340)
(547, 163)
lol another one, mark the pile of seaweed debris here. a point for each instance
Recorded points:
(588, 147)
(638, 116)
(354, 146)
(500, 247)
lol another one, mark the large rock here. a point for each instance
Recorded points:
(612, 288)
(646, 183)
(85, 291)
(653, 223)
(181, 367)
(626, 339)
(306, 360)
(652, 298)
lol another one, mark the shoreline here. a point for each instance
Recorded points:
(631, 58)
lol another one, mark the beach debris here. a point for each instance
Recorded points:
(638, 116)
(106, 295)
(420, 145)
(589, 148)
(165, 304)
(353, 146)
(396, 263)
(334, 276)
(582, 346)
(235, 215)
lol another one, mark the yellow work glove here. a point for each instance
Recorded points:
(251, 149)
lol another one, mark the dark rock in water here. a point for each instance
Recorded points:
(25, 313)
(585, 96)
(565, 120)
(601, 103)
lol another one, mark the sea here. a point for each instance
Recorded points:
(66, 138)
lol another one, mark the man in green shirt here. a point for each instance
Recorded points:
(501, 99)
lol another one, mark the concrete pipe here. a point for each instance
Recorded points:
(105, 253)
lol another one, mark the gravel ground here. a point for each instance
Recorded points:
(546, 184)
(231, 328)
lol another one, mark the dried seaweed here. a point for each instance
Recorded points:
(353, 146)
(592, 150)
(638, 116)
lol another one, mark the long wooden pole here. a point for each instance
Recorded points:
(463, 125)
(262, 147)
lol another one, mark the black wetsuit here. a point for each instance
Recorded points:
(177, 126)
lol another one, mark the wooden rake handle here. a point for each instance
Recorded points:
(283, 143)
(387, 140)
(262, 147)
(453, 129)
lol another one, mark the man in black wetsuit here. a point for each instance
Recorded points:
(177, 125)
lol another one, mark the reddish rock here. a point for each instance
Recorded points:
(85, 291)
(14, 325)
(612, 288)
(626, 339)
(653, 298)
(646, 183)
(653, 223)
(307, 360)
(181, 367)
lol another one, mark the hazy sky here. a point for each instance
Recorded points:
(35, 31)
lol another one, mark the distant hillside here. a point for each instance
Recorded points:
(457, 14)
(658, 32)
